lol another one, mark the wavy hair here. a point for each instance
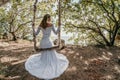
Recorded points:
(43, 23)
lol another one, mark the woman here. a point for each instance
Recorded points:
(47, 64)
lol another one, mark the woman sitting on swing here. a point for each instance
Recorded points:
(47, 64)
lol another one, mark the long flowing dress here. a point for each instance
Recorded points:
(46, 64)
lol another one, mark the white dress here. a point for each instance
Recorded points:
(46, 64)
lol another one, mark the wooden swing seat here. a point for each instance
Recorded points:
(44, 49)
(54, 47)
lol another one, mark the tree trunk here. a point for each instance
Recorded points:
(2, 2)
(5, 36)
(14, 38)
(112, 41)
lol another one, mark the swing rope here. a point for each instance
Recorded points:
(59, 24)
(33, 25)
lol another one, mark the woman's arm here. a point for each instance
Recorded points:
(38, 30)
(55, 31)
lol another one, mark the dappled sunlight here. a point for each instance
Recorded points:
(71, 52)
(77, 54)
(13, 78)
(63, 51)
(92, 62)
(108, 77)
(117, 68)
(20, 50)
(89, 62)
(10, 48)
(5, 59)
(81, 57)
(4, 44)
(118, 57)
(86, 62)
(18, 62)
(93, 59)
(72, 69)
(105, 57)
(11, 60)
(108, 53)
(15, 48)
(2, 77)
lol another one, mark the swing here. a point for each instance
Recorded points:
(59, 35)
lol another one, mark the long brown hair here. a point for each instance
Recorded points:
(43, 23)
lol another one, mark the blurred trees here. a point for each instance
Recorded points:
(99, 20)
(89, 21)
(16, 17)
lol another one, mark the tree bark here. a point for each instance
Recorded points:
(2, 2)
(114, 35)
(14, 38)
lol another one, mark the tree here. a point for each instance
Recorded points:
(99, 18)
(2, 2)
(16, 19)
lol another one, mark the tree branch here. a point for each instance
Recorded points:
(92, 29)
(33, 23)
(96, 39)
(88, 28)
(100, 32)
(113, 10)
(22, 25)
(102, 5)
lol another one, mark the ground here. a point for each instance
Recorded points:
(86, 63)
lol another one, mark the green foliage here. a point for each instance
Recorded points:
(16, 16)
(94, 17)
(90, 21)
